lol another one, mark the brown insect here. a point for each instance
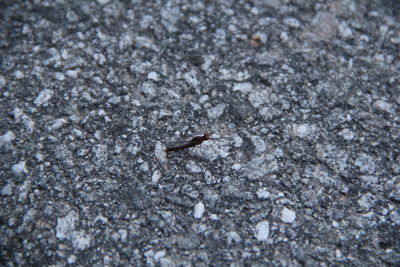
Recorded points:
(195, 141)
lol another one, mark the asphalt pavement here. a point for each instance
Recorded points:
(282, 117)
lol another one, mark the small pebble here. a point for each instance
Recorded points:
(262, 231)
(199, 210)
(288, 216)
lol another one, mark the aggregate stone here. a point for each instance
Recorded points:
(300, 100)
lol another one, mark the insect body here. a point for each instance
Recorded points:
(195, 141)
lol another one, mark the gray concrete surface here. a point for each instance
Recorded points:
(301, 99)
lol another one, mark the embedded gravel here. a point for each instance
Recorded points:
(301, 99)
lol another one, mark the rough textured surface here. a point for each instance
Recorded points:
(302, 98)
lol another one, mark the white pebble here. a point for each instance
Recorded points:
(395, 217)
(159, 152)
(262, 231)
(59, 76)
(19, 74)
(2, 81)
(216, 112)
(66, 225)
(71, 259)
(80, 240)
(149, 90)
(144, 167)
(6, 190)
(203, 99)
(384, 106)
(155, 177)
(305, 130)
(193, 167)
(262, 193)
(214, 217)
(366, 201)
(237, 141)
(28, 123)
(123, 234)
(191, 79)
(245, 87)
(57, 124)
(284, 37)
(199, 210)
(259, 144)
(301, 130)
(292, 22)
(126, 40)
(365, 163)
(153, 76)
(158, 255)
(288, 216)
(17, 114)
(395, 40)
(44, 96)
(19, 168)
(64, 53)
(347, 134)
(6, 138)
(344, 30)
(72, 73)
(236, 167)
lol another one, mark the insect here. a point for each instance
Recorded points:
(195, 141)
